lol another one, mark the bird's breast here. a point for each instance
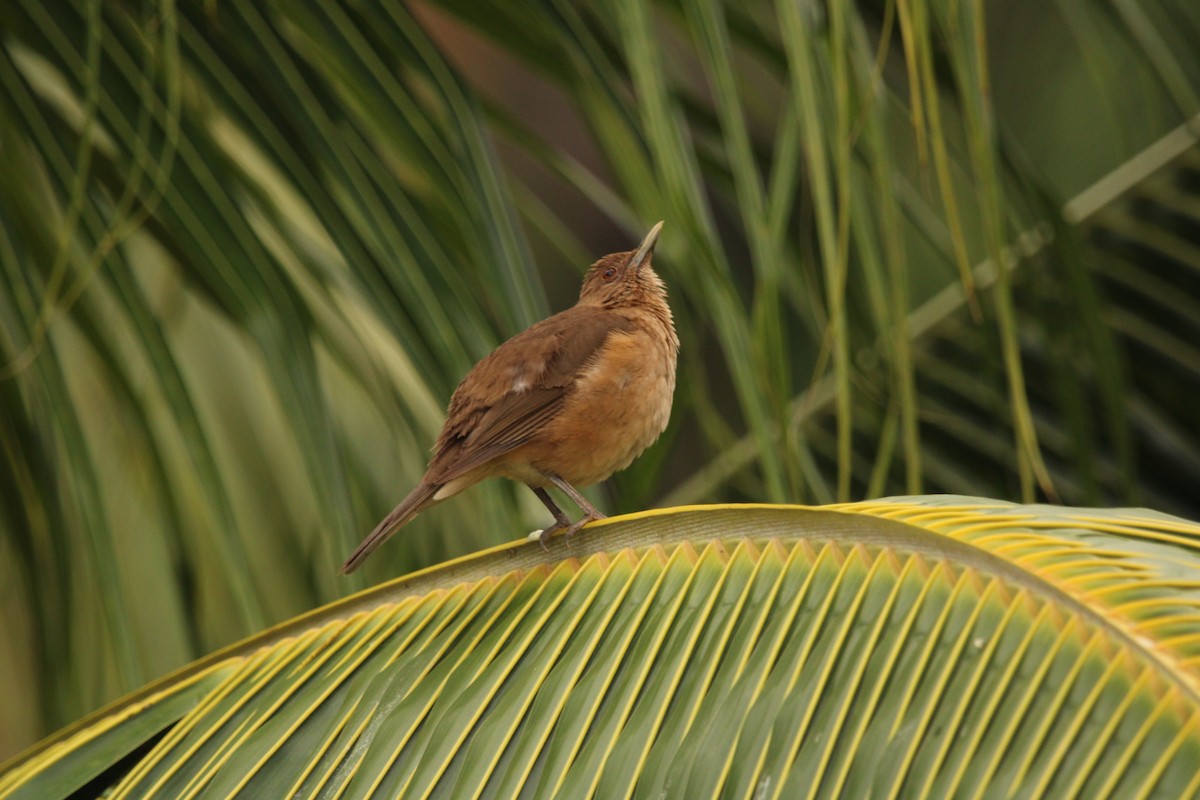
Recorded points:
(619, 405)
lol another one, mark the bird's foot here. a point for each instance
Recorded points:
(576, 526)
(544, 535)
(570, 529)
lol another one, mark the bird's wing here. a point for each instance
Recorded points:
(509, 395)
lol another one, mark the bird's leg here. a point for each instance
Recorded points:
(560, 517)
(590, 512)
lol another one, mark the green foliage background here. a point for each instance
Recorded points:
(247, 251)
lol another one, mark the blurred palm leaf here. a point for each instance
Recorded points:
(247, 251)
(906, 647)
(1108, 394)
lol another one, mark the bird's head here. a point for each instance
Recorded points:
(623, 279)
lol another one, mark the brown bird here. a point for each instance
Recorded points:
(566, 403)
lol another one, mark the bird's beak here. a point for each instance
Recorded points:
(645, 248)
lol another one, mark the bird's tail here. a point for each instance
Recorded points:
(418, 500)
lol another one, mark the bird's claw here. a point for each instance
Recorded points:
(577, 526)
(569, 529)
(545, 534)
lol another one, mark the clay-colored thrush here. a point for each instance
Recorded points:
(566, 403)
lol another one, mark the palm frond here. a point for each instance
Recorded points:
(911, 646)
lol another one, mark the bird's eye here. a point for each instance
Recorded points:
(610, 273)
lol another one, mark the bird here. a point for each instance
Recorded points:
(565, 403)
